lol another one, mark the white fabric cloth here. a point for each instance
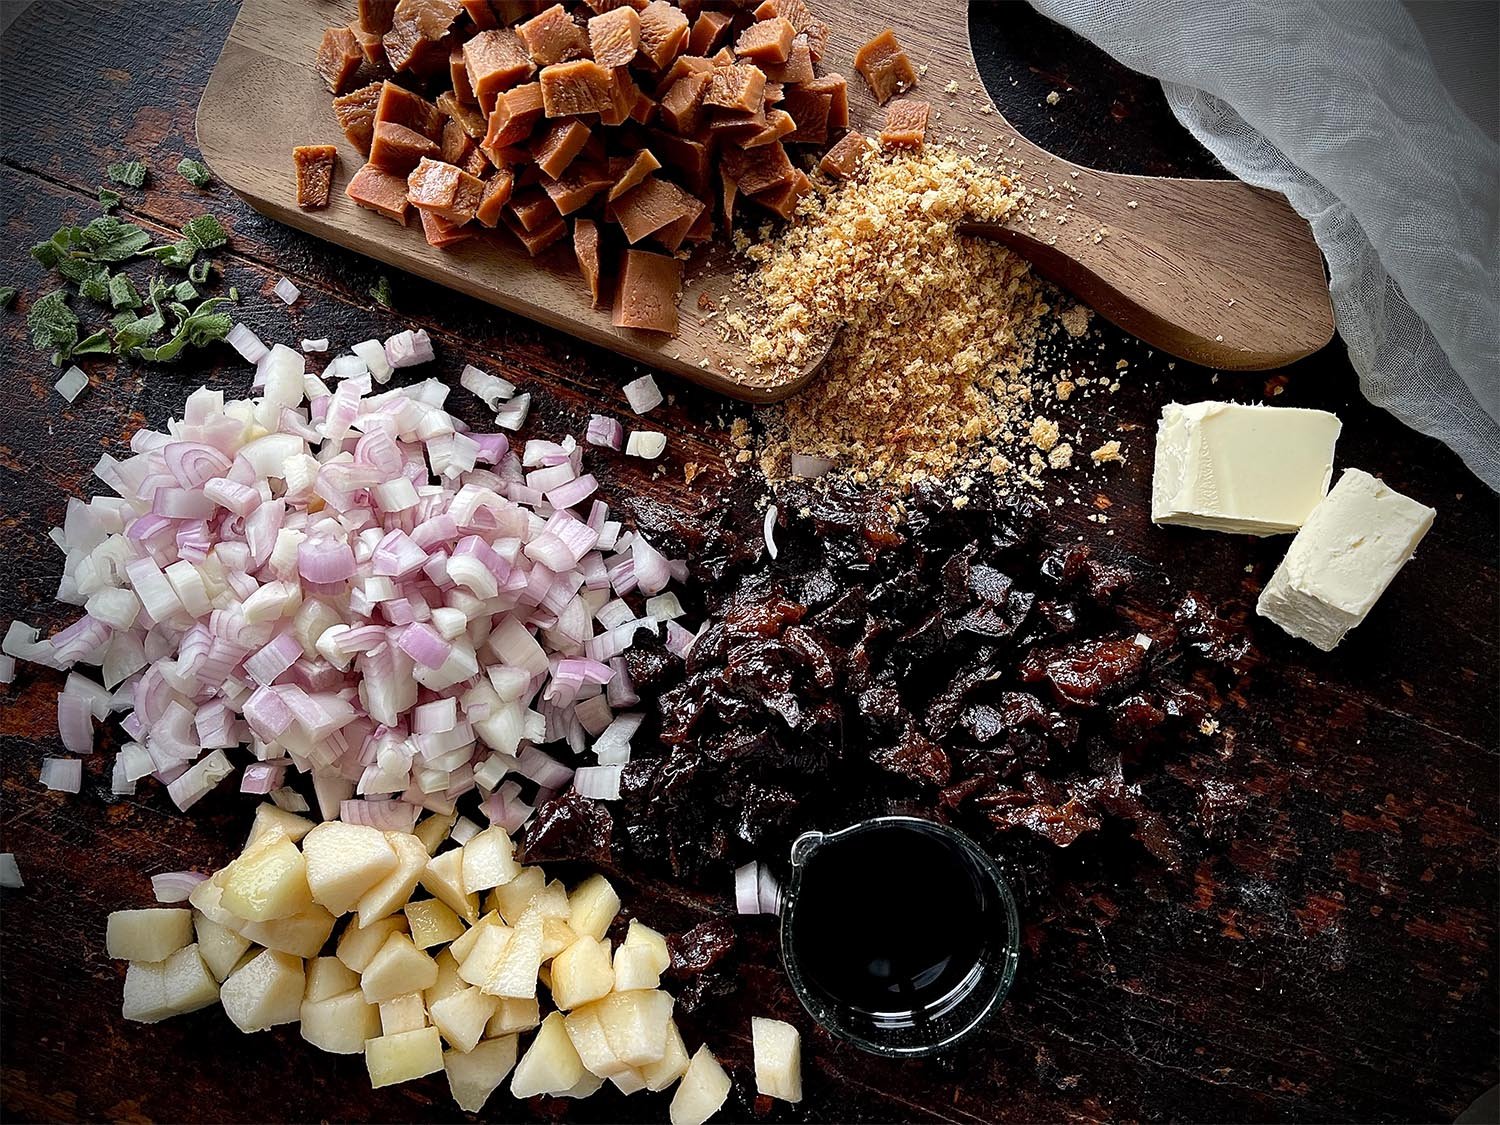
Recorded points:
(1337, 105)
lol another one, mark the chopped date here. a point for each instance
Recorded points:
(569, 827)
(950, 662)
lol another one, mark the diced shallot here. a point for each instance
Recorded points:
(643, 395)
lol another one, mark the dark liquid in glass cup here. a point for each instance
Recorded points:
(898, 933)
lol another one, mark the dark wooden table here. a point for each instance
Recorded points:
(1335, 961)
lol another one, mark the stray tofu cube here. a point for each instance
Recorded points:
(314, 165)
(842, 159)
(646, 296)
(885, 66)
(905, 124)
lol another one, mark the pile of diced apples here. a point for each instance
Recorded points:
(411, 974)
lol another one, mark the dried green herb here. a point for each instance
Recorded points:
(53, 325)
(381, 291)
(194, 172)
(108, 200)
(131, 173)
(123, 293)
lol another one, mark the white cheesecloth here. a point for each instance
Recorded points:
(1337, 104)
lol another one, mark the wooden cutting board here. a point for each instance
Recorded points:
(1213, 271)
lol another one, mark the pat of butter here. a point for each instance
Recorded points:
(1342, 560)
(1254, 470)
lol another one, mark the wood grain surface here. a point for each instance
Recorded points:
(1212, 271)
(1334, 962)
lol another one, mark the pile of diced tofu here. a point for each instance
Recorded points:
(411, 975)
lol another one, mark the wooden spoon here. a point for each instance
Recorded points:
(1212, 271)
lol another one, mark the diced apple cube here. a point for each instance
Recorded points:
(265, 991)
(177, 984)
(148, 935)
(474, 1076)
(640, 936)
(208, 899)
(268, 881)
(462, 1017)
(557, 935)
(513, 1015)
(390, 894)
(586, 1034)
(401, 1058)
(516, 973)
(636, 1023)
(328, 976)
(340, 1024)
(483, 960)
(357, 946)
(581, 973)
(673, 1064)
(592, 906)
(462, 944)
(629, 1081)
(301, 935)
(400, 967)
(552, 901)
(443, 877)
(344, 861)
(402, 1013)
(489, 860)
(585, 1087)
(778, 1059)
(550, 1065)
(434, 830)
(635, 967)
(271, 820)
(448, 981)
(219, 946)
(432, 923)
(512, 898)
(703, 1091)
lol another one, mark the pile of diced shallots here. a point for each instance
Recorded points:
(355, 585)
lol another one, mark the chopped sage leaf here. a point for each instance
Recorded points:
(381, 291)
(194, 172)
(109, 200)
(131, 173)
(198, 271)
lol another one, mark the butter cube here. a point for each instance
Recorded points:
(1346, 554)
(1252, 470)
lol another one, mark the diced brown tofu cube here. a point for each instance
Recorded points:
(481, 14)
(614, 38)
(314, 164)
(675, 233)
(664, 33)
(376, 15)
(681, 107)
(810, 109)
(817, 38)
(708, 29)
(575, 188)
(783, 199)
(624, 96)
(644, 107)
(496, 62)
(415, 41)
(497, 191)
(397, 149)
(401, 107)
(559, 143)
(533, 209)
(646, 292)
(797, 68)
(769, 41)
(681, 67)
(370, 44)
(759, 169)
(641, 166)
(905, 124)
(458, 77)
(573, 89)
(355, 112)
(379, 191)
(779, 124)
(553, 37)
(440, 232)
(586, 249)
(515, 115)
(467, 117)
(842, 159)
(730, 194)
(538, 240)
(444, 190)
(650, 206)
(456, 144)
(339, 57)
(740, 89)
(692, 158)
(838, 90)
(885, 66)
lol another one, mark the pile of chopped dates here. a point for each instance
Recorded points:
(949, 663)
